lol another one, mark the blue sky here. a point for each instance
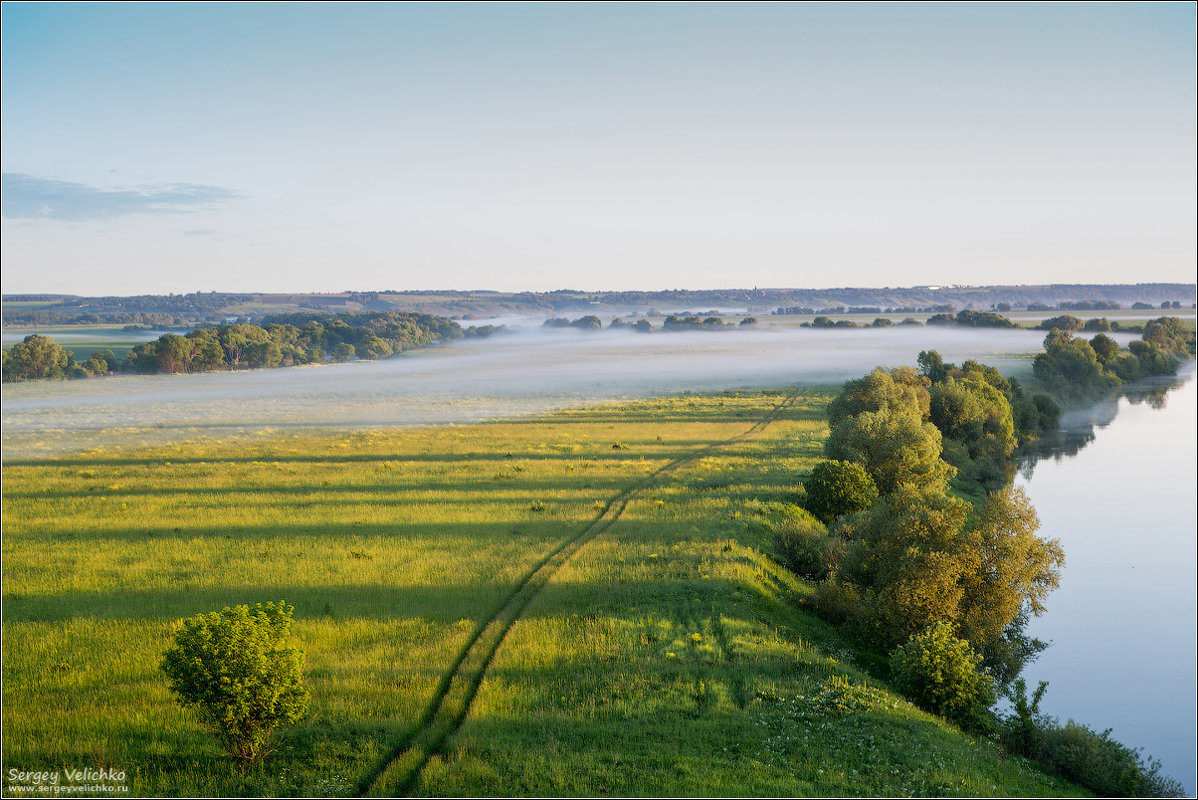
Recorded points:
(323, 147)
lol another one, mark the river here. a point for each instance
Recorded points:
(1123, 620)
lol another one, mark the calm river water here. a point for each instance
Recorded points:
(1123, 620)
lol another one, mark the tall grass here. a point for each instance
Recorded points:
(665, 657)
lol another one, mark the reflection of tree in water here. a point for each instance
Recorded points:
(1077, 427)
(1154, 396)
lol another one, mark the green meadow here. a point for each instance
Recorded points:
(83, 340)
(580, 603)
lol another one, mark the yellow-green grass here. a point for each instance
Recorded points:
(667, 656)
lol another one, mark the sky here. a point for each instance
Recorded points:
(323, 147)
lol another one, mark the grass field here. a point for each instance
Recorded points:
(83, 340)
(581, 603)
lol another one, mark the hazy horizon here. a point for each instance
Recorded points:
(527, 372)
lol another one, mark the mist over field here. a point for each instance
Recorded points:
(527, 372)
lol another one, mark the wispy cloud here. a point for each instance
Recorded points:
(29, 197)
(201, 232)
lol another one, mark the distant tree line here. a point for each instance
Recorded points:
(151, 319)
(805, 311)
(674, 322)
(284, 340)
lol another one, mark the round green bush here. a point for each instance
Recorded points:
(939, 672)
(235, 668)
(835, 488)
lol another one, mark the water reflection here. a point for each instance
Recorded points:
(1077, 427)
(1119, 496)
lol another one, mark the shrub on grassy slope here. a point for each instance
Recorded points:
(940, 673)
(803, 545)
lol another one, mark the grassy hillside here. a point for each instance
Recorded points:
(580, 604)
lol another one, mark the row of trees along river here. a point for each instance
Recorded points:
(922, 548)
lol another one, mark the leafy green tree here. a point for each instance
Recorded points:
(373, 347)
(903, 558)
(932, 366)
(893, 390)
(1066, 322)
(895, 447)
(263, 354)
(918, 557)
(36, 357)
(1150, 360)
(99, 363)
(237, 670)
(983, 319)
(1170, 336)
(174, 353)
(1105, 348)
(1071, 368)
(976, 414)
(941, 674)
(1009, 567)
(835, 488)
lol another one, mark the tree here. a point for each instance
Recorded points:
(235, 667)
(1170, 336)
(588, 323)
(1011, 568)
(903, 559)
(373, 347)
(895, 390)
(803, 545)
(1105, 348)
(1065, 322)
(174, 353)
(894, 447)
(99, 363)
(835, 488)
(932, 365)
(36, 357)
(976, 414)
(1070, 366)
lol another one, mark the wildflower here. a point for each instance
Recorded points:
(696, 637)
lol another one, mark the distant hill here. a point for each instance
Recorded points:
(209, 307)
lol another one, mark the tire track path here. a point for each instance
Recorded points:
(451, 700)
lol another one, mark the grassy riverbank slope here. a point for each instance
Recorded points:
(581, 603)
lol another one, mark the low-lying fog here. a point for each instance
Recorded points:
(521, 373)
